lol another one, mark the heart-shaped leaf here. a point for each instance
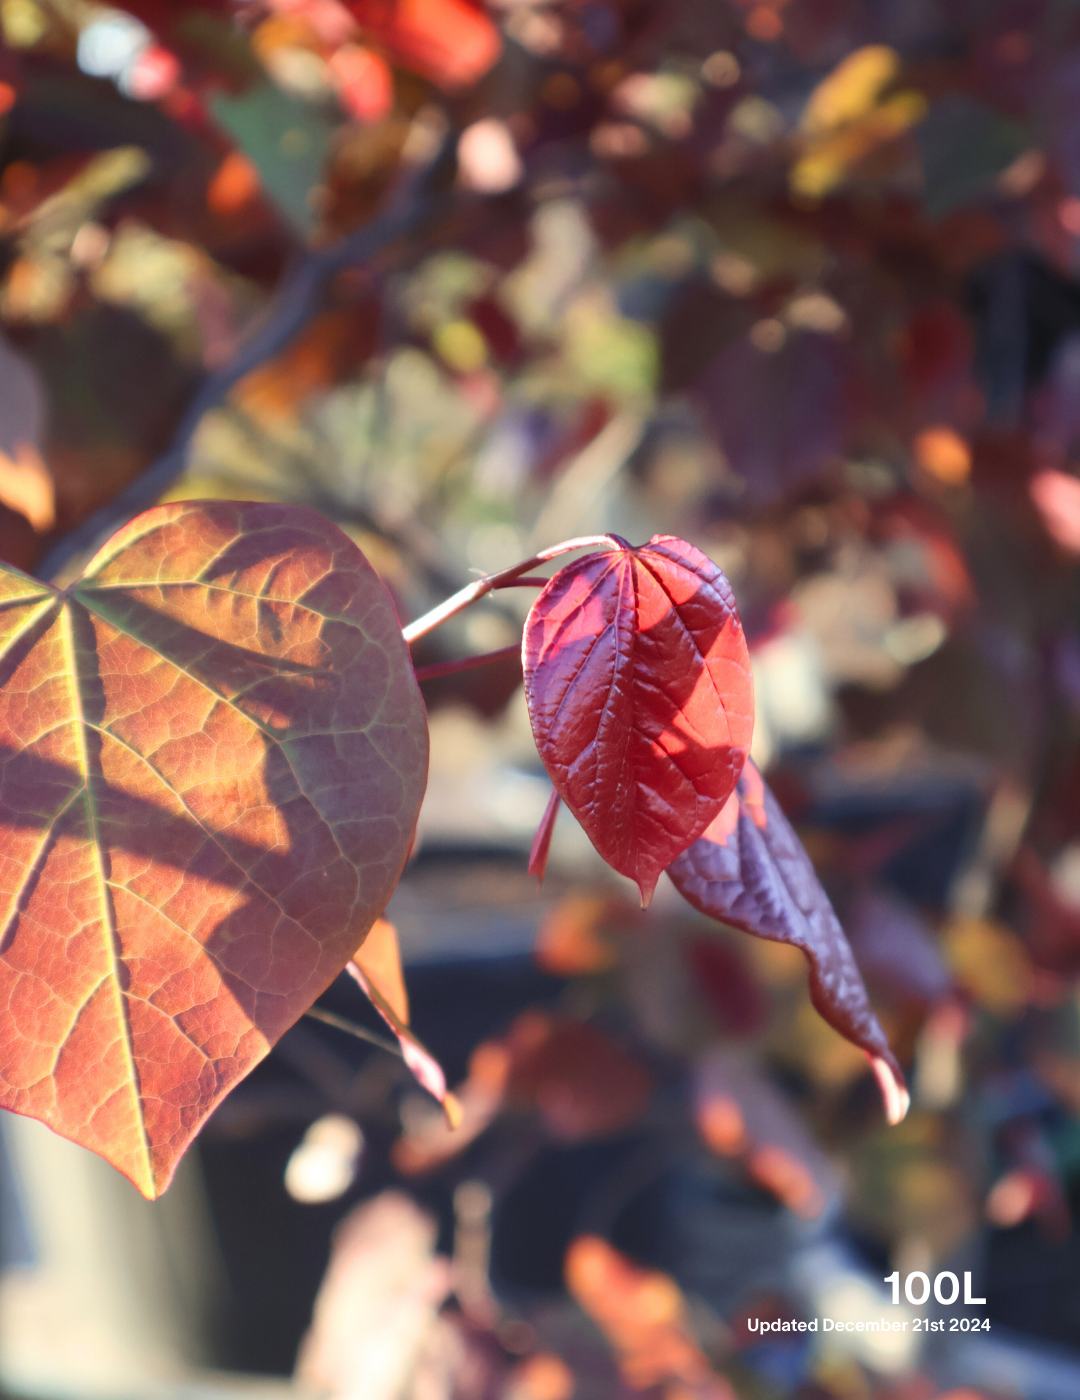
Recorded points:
(212, 756)
(750, 870)
(641, 699)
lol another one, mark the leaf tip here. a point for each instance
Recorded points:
(647, 889)
(894, 1092)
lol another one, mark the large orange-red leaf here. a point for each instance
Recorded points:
(751, 871)
(212, 755)
(641, 700)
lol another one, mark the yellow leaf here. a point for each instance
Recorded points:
(990, 963)
(851, 90)
(379, 959)
(830, 157)
(26, 486)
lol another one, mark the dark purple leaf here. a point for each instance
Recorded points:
(749, 870)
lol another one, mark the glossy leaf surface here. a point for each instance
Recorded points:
(638, 682)
(212, 755)
(750, 870)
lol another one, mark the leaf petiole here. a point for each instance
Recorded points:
(506, 578)
(330, 1018)
(466, 663)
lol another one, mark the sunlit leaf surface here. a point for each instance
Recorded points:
(212, 755)
(641, 700)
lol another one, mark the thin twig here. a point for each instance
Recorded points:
(506, 578)
(466, 663)
(297, 301)
(329, 1018)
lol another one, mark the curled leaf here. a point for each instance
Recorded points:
(638, 683)
(376, 968)
(212, 756)
(750, 870)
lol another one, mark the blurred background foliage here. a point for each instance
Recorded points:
(793, 279)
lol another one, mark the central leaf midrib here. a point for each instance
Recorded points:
(108, 918)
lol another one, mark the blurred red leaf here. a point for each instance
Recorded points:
(583, 1083)
(782, 1173)
(750, 870)
(365, 83)
(728, 986)
(447, 41)
(570, 941)
(213, 755)
(740, 1113)
(429, 1141)
(935, 348)
(638, 682)
(642, 1313)
(234, 185)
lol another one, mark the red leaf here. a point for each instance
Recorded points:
(447, 41)
(584, 1084)
(365, 83)
(750, 870)
(641, 699)
(740, 1113)
(212, 755)
(728, 986)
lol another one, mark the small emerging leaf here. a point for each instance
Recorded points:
(750, 870)
(638, 683)
(212, 756)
